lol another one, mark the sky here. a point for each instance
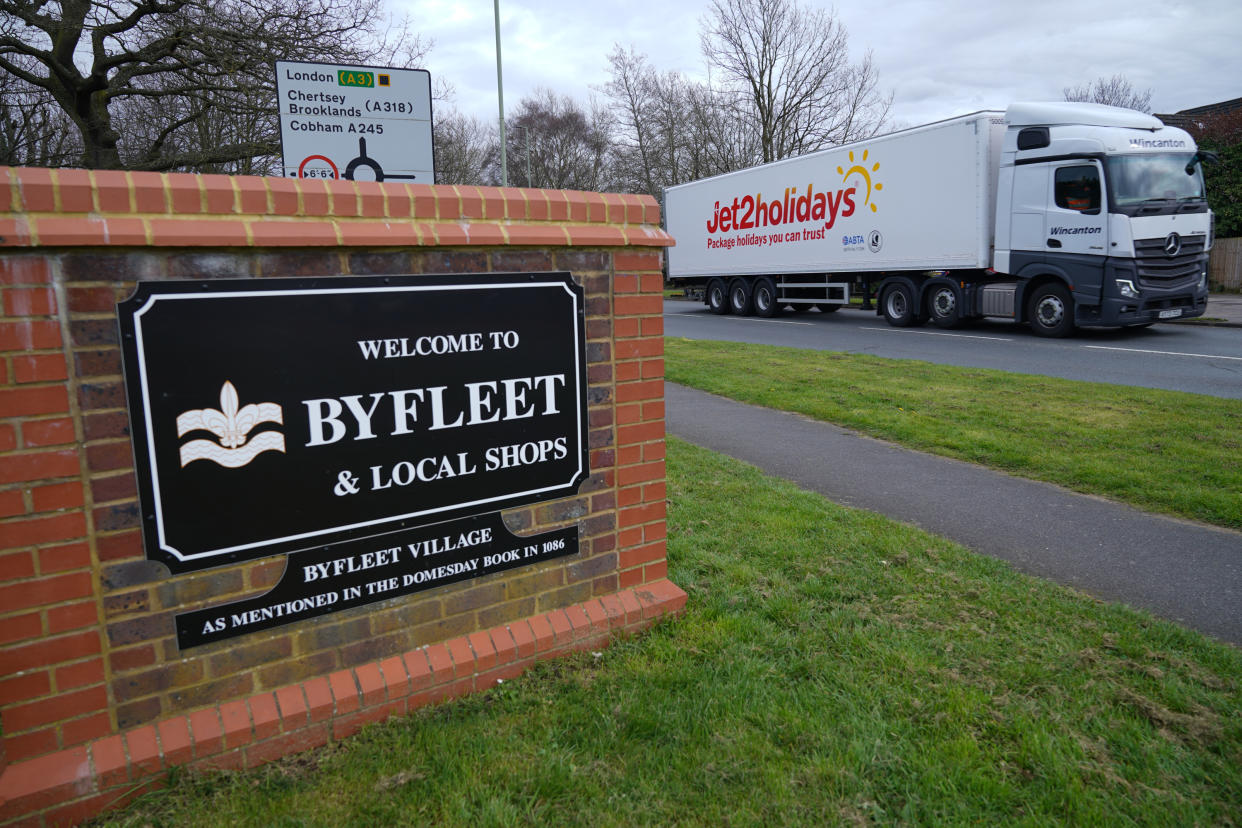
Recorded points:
(940, 58)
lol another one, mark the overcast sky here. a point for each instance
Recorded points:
(939, 57)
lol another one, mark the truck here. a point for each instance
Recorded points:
(1059, 215)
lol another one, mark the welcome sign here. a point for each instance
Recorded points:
(277, 415)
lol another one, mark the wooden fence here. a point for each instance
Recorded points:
(1225, 265)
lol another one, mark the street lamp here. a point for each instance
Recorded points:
(500, 93)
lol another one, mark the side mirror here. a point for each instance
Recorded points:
(1199, 157)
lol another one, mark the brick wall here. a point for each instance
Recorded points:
(95, 696)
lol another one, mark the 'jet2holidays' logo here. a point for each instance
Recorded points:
(750, 212)
(231, 425)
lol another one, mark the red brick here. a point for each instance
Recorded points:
(86, 729)
(235, 719)
(58, 708)
(121, 545)
(50, 780)
(463, 657)
(57, 432)
(627, 558)
(396, 679)
(8, 438)
(80, 675)
(318, 698)
(655, 571)
(30, 302)
(637, 515)
(21, 627)
(59, 496)
(207, 733)
(638, 305)
(25, 745)
(639, 391)
(287, 745)
(292, 707)
(484, 652)
(29, 335)
(25, 402)
(441, 663)
(344, 691)
(523, 638)
(562, 629)
(421, 674)
(175, 741)
(18, 468)
(502, 641)
(25, 687)
(111, 764)
(265, 714)
(371, 682)
(545, 637)
(24, 270)
(132, 659)
(46, 591)
(12, 503)
(640, 474)
(62, 558)
(144, 749)
(626, 260)
(578, 619)
(42, 530)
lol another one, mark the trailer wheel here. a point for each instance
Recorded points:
(943, 306)
(765, 298)
(741, 300)
(1051, 311)
(717, 296)
(898, 305)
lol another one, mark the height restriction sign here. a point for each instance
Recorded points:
(359, 123)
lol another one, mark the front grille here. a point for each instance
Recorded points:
(1155, 269)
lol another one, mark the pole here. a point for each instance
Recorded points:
(500, 94)
(529, 181)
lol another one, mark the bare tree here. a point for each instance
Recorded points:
(788, 71)
(466, 149)
(669, 130)
(33, 131)
(569, 146)
(1114, 91)
(168, 84)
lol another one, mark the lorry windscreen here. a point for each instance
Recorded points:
(1148, 182)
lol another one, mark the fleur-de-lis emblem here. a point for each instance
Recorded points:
(232, 425)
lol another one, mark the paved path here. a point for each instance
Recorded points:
(1183, 571)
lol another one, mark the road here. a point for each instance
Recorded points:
(1176, 357)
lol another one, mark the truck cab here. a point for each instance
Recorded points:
(1101, 218)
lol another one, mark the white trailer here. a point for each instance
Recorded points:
(1059, 214)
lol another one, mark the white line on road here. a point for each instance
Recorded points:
(1162, 353)
(939, 333)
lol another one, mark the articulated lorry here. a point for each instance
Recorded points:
(1060, 215)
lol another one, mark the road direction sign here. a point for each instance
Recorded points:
(360, 123)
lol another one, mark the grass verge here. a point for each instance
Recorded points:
(1163, 451)
(832, 667)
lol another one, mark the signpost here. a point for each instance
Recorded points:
(372, 428)
(359, 123)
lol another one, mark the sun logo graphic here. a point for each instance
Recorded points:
(232, 425)
(859, 167)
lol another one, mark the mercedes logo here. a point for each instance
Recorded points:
(1172, 244)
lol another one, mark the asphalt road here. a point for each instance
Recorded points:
(1187, 572)
(1176, 357)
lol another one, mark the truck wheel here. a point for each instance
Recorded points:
(898, 306)
(717, 296)
(1051, 311)
(943, 307)
(741, 300)
(765, 298)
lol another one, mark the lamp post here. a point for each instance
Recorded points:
(500, 94)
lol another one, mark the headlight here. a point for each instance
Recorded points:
(1203, 283)
(1126, 288)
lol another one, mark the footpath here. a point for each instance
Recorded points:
(1183, 571)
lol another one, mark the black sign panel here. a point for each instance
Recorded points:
(276, 415)
(354, 573)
